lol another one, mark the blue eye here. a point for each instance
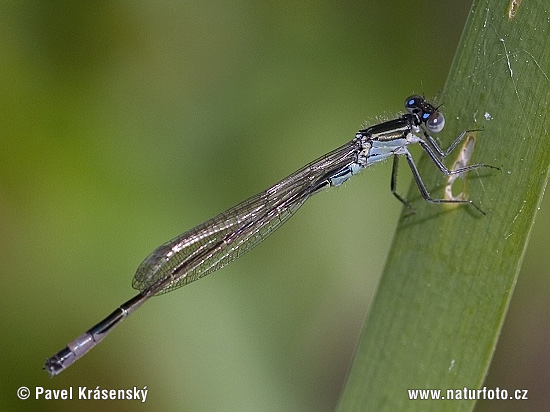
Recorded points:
(413, 104)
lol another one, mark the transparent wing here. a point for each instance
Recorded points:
(220, 240)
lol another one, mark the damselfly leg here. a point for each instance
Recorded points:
(436, 154)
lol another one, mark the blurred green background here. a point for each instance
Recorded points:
(127, 123)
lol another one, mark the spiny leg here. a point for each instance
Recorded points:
(422, 187)
(439, 150)
(393, 185)
(442, 166)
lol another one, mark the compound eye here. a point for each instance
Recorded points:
(435, 122)
(413, 103)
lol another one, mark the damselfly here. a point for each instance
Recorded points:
(215, 243)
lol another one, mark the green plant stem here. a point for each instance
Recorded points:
(438, 310)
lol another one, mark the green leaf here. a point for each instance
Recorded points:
(438, 310)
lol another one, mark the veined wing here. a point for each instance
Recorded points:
(220, 240)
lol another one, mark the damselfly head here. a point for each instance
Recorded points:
(426, 113)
